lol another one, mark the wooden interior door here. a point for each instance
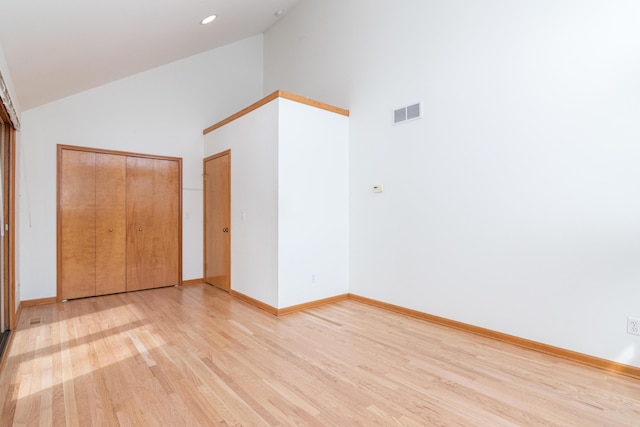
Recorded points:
(153, 223)
(111, 221)
(77, 222)
(217, 223)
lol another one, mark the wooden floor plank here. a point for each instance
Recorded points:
(194, 355)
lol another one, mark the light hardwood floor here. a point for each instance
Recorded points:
(194, 355)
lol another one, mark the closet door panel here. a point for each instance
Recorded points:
(111, 222)
(167, 220)
(139, 202)
(153, 215)
(77, 205)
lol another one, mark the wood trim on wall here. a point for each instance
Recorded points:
(192, 282)
(271, 97)
(12, 231)
(58, 219)
(39, 301)
(287, 310)
(121, 153)
(180, 214)
(584, 359)
(311, 304)
(259, 304)
(313, 103)
(242, 112)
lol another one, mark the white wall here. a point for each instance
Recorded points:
(289, 202)
(513, 205)
(253, 140)
(161, 112)
(313, 204)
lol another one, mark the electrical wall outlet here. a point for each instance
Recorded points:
(633, 326)
(378, 188)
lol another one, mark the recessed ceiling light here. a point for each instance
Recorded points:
(208, 19)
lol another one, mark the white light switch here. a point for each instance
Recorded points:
(378, 188)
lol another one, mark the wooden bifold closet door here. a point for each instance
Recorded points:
(111, 222)
(153, 214)
(118, 222)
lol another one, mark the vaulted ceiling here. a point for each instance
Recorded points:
(56, 48)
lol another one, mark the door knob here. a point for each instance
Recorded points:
(225, 230)
(140, 229)
(111, 230)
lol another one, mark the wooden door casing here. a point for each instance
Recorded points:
(217, 227)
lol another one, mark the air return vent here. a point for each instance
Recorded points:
(407, 114)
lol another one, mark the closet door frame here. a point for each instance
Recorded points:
(62, 147)
(9, 207)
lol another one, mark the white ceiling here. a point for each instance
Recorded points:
(56, 48)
